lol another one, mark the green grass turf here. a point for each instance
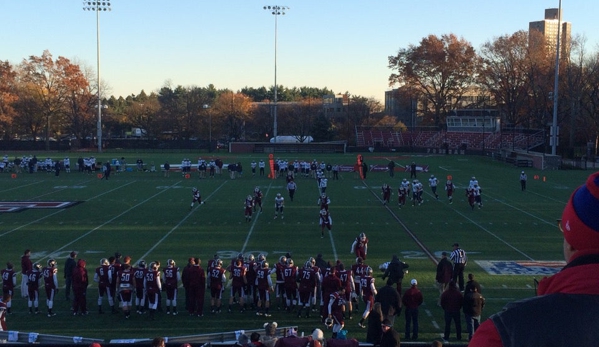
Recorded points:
(146, 215)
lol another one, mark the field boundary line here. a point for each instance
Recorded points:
(59, 211)
(180, 222)
(408, 231)
(247, 239)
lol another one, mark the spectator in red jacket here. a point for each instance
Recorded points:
(411, 300)
(566, 312)
(451, 302)
(80, 283)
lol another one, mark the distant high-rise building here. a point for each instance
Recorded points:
(548, 28)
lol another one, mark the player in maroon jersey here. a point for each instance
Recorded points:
(335, 306)
(368, 294)
(290, 278)
(347, 282)
(153, 286)
(50, 276)
(139, 273)
(360, 246)
(172, 277)
(449, 188)
(217, 285)
(402, 193)
(248, 205)
(308, 281)
(330, 284)
(238, 276)
(185, 281)
(325, 221)
(101, 276)
(470, 194)
(9, 282)
(196, 197)
(125, 284)
(280, 280)
(386, 192)
(357, 271)
(250, 288)
(257, 198)
(33, 280)
(80, 283)
(4, 310)
(323, 202)
(264, 286)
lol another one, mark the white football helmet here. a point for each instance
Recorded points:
(278, 195)
(104, 261)
(363, 236)
(170, 262)
(257, 189)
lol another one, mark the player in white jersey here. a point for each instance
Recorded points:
(279, 205)
(253, 166)
(416, 193)
(477, 195)
(323, 185)
(473, 182)
(433, 182)
(67, 164)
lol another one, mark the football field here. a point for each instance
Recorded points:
(510, 241)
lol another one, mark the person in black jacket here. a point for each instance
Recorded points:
(390, 336)
(390, 301)
(69, 265)
(395, 272)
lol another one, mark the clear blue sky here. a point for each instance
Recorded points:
(339, 44)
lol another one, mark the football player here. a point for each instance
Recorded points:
(113, 270)
(257, 198)
(50, 284)
(358, 270)
(197, 197)
(264, 285)
(368, 294)
(347, 282)
(279, 270)
(360, 246)
(33, 280)
(238, 284)
(139, 273)
(248, 207)
(290, 278)
(433, 182)
(330, 284)
(402, 193)
(250, 288)
(308, 282)
(153, 286)
(279, 205)
(324, 202)
(217, 285)
(102, 278)
(325, 221)
(386, 191)
(473, 181)
(171, 277)
(336, 303)
(125, 283)
(477, 195)
(449, 188)
(470, 196)
(9, 282)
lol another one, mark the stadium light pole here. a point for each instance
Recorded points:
(207, 107)
(276, 10)
(98, 6)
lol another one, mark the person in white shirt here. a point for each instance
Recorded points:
(279, 205)
(433, 182)
(323, 185)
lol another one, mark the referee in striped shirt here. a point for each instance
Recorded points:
(459, 258)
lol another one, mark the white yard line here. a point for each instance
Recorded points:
(179, 224)
(108, 221)
(19, 187)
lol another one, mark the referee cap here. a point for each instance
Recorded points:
(456, 244)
